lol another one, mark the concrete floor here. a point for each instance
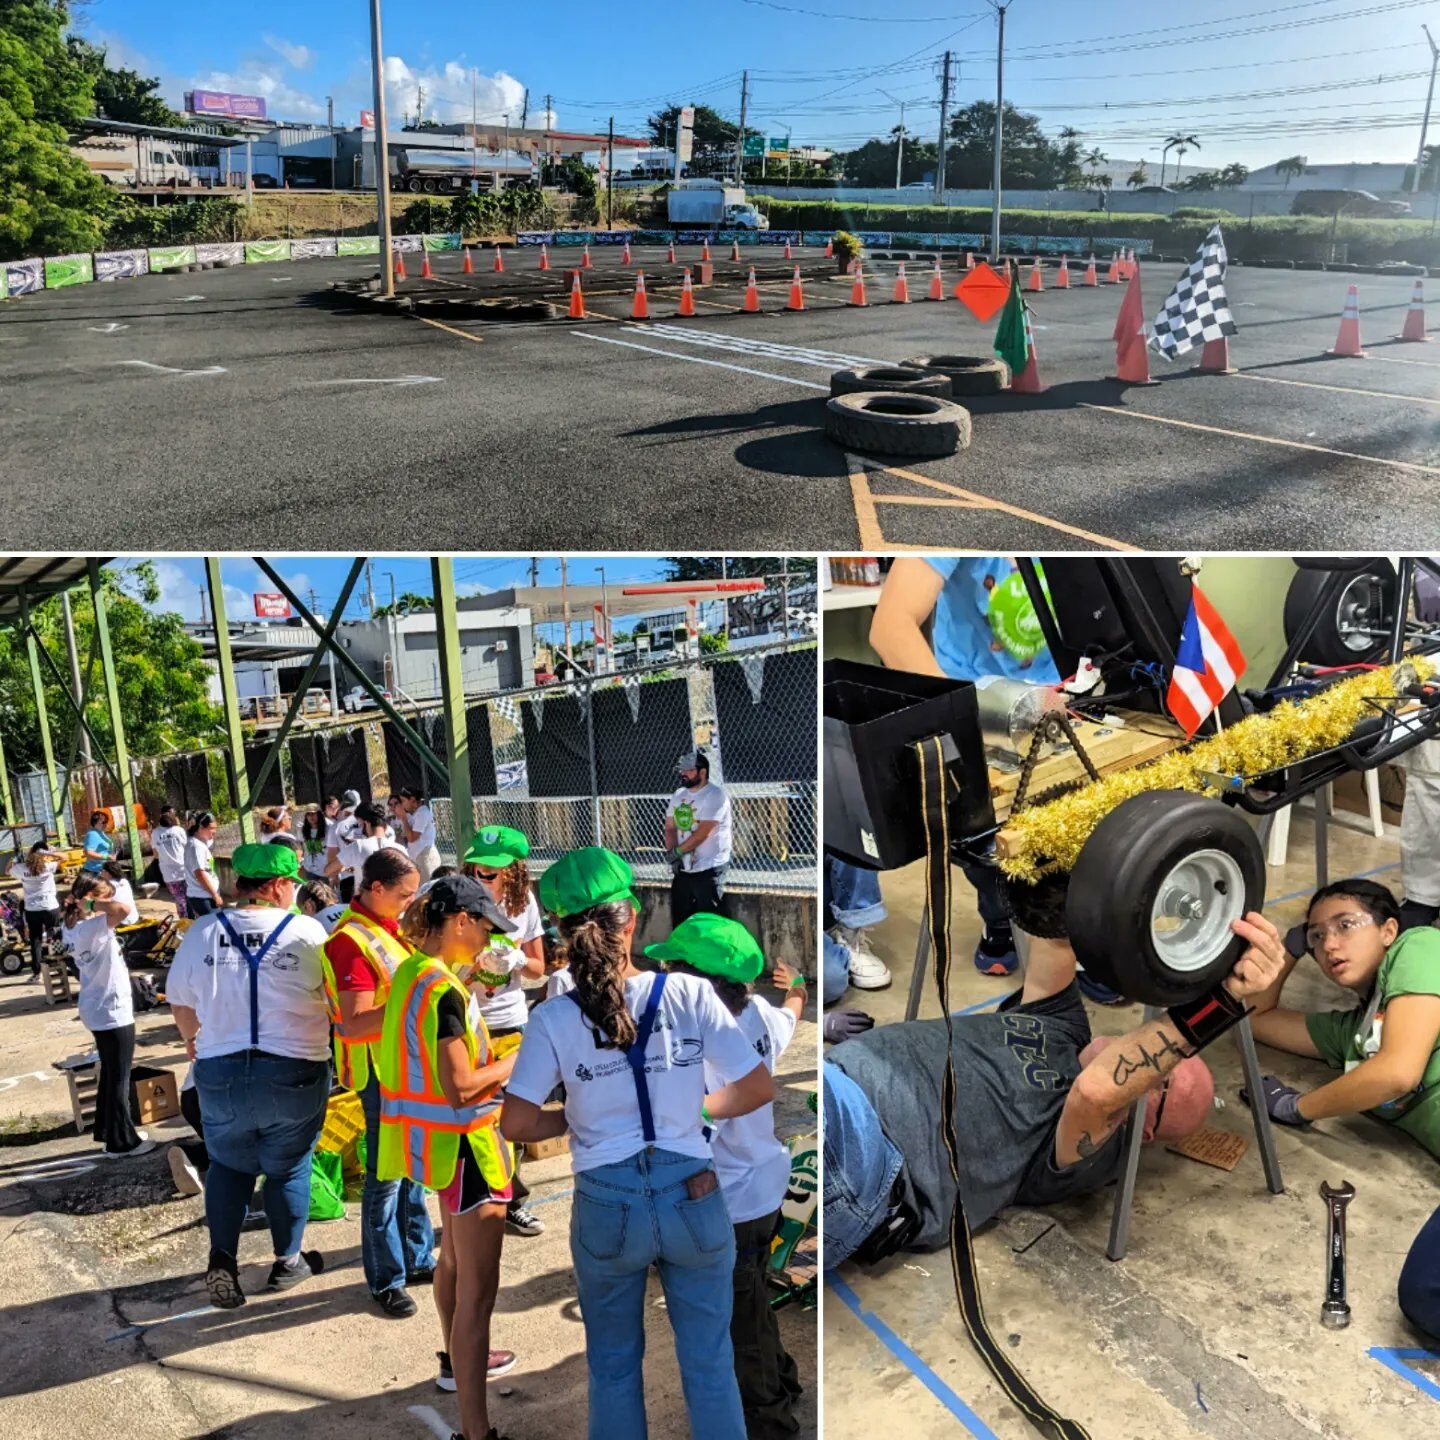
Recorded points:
(1210, 1326)
(107, 1329)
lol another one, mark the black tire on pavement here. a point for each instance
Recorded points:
(904, 378)
(890, 423)
(969, 374)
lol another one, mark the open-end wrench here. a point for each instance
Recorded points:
(1335, 1313)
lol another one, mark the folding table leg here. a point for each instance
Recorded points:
(922, 965)
(1125, 1190)
(1264, 1131)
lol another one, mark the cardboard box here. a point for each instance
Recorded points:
(544, 1149)
(157, 1097)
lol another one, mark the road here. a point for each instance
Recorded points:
(233, 409)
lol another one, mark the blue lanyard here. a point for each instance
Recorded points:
(635, 1053)
(254, 963)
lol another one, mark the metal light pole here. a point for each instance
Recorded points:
(999, 130)
(506, 175)
(382, 154)
(605, 626)
(330, 118)
(944, 126)
(1429, 96)
(900, 143)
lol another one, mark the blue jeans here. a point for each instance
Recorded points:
(835, 970)
(627, 1217)
(854, 896)
(395, 1231)
(262, 1116)
(1420, 1280)
(860, 1167)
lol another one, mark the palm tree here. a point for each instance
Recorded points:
(1179, 142)
(1290, 168)
(1233, 176)
(1138, 176)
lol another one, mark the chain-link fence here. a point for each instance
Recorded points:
(590, 760)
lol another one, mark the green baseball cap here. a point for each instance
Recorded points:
(715, 945)
(592, 876)
(265, 862)
(497, 846)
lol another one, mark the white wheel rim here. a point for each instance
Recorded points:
(1194, 906)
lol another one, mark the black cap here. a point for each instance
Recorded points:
(460, 894)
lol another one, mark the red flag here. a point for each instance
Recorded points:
(1132, 353)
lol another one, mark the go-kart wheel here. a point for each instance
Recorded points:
(12, 961)
(1039, 909)
(1154, 892)
(1343, 635)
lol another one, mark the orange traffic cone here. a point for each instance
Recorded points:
(1415, 316)
(625, 254)
(797, 292)
(585, 262)
(902, 287)
(640, 310)
(577, 298)
(467, 266)
(752, 296)
(1062, 280)
(705, 250)
(499, 266)
(1113, 275)
(426, 273)
(1132, 350)
(734, 252)
(1347, 343)
(829, 249)
(544, 257)
(937, 282)
(1028, 381)
(1215, 358)
(687, 296)
(670, 254)
(1037, 280)
(400, 265)
(1090, 277)
(857, 290)
(789, 254)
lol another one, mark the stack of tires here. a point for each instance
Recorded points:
(910, 410)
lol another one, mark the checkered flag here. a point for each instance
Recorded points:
(1196, 310)
(507, 708)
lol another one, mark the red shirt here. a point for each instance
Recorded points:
(347, 960)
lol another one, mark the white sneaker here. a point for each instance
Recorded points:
(868, 971)
(186, 1176)
(856, 941)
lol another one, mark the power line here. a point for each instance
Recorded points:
(864, 19)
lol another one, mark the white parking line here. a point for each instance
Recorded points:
(430, 1418)
(698, 360)
(751, 345)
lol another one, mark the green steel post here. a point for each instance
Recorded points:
(117, 722)
(42, 718)
(229, 699)
(7, 809)
(452, 696)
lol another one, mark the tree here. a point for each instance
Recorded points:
(1031, 160)
(159, 670)
(1291, 168)
(407, 604)
(120, 94)
(1181, 143)
(50, 202)
(1232, 177)
(873, 164)
(1201, 180)
(1138, 176)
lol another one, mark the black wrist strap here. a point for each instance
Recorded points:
(1206, 1019)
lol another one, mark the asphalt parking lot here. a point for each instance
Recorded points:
(234, 408)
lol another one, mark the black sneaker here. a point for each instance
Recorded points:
(222, 1280)
(523, 1221)
(420, 1277)
(283, 1276)
(445, 1380)
(396, 1303)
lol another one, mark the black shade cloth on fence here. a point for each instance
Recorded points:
(274, 791)
(329, 764)
(557, 752)
(402, 760)
(306, 783)
(187, 782)
(482, 751)
(635, 754)
(775, 737)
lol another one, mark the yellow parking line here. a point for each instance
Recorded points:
(867, 522)
(1340, 389)
(1264, 439)
(936, 500)
(450, 329)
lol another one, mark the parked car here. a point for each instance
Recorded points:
(355, 698)
(1354, 203)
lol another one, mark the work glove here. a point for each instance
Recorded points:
(841, 1025)
(1282, 1102)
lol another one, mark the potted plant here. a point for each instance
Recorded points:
(847, 250)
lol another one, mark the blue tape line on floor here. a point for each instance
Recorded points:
(546, 1199)
(912, 1362)
(1395, 1360)
(1310, 889)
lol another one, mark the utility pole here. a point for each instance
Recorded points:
(392, 636)
(604, 629)
(382, 157)
(534, 571)
(474, 123)
(944, 126)
(900, 144)
(419, 106)
(330, 113)
(565, 605)
(999, 129)
(1425, 123)
(370, 587)
(525, 110)
(545, 121)
(740, 138)
(609, 222)
(725, 575)
(204, 612)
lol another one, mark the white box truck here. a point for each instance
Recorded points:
(712, 205)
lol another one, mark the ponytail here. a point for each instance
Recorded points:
(596, 948)
(198, 821)
(72, 908)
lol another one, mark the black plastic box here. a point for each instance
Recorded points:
(872, 782)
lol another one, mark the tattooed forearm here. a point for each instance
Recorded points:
(1086, 1145)
(1131, 1062)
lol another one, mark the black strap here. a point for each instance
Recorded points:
(931, 759)
(635, 1052)
(254, 963)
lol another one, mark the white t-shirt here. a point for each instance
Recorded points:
(343, 828)
(752, 1164)
(692, 1029)
(687, 808)
(331, 914)
(355, 852)
(125, 894)
(168, 842)
(504, 1008)
(198, 857)
(423, 822)
(561, 982)
(106, 1002)
(212, 978)
(38, 890)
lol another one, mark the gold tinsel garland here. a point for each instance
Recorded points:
(1047, 839)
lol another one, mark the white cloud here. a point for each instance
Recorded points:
(448, 93)
(282, 100)
(297, 57)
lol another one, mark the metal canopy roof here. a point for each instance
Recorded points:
(40, 575)
(100, 125)
(546, 603)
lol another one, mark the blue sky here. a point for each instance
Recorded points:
(1125, 74)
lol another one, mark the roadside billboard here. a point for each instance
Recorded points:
(222, 102)
(271, 606)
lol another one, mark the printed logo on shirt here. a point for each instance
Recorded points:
(687, 1052)
(279, 958)
(763, 1046)
(1025, 1037)
(684, 816)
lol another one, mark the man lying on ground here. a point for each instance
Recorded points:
(1040, 1106)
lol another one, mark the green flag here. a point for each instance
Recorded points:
(1011, 344)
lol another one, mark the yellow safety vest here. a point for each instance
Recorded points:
(384, 954)
(419, 1129)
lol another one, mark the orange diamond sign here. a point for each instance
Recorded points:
(984, 292)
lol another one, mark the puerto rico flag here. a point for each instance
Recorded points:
(1207, 664)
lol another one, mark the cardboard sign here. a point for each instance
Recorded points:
(1212, 1147)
